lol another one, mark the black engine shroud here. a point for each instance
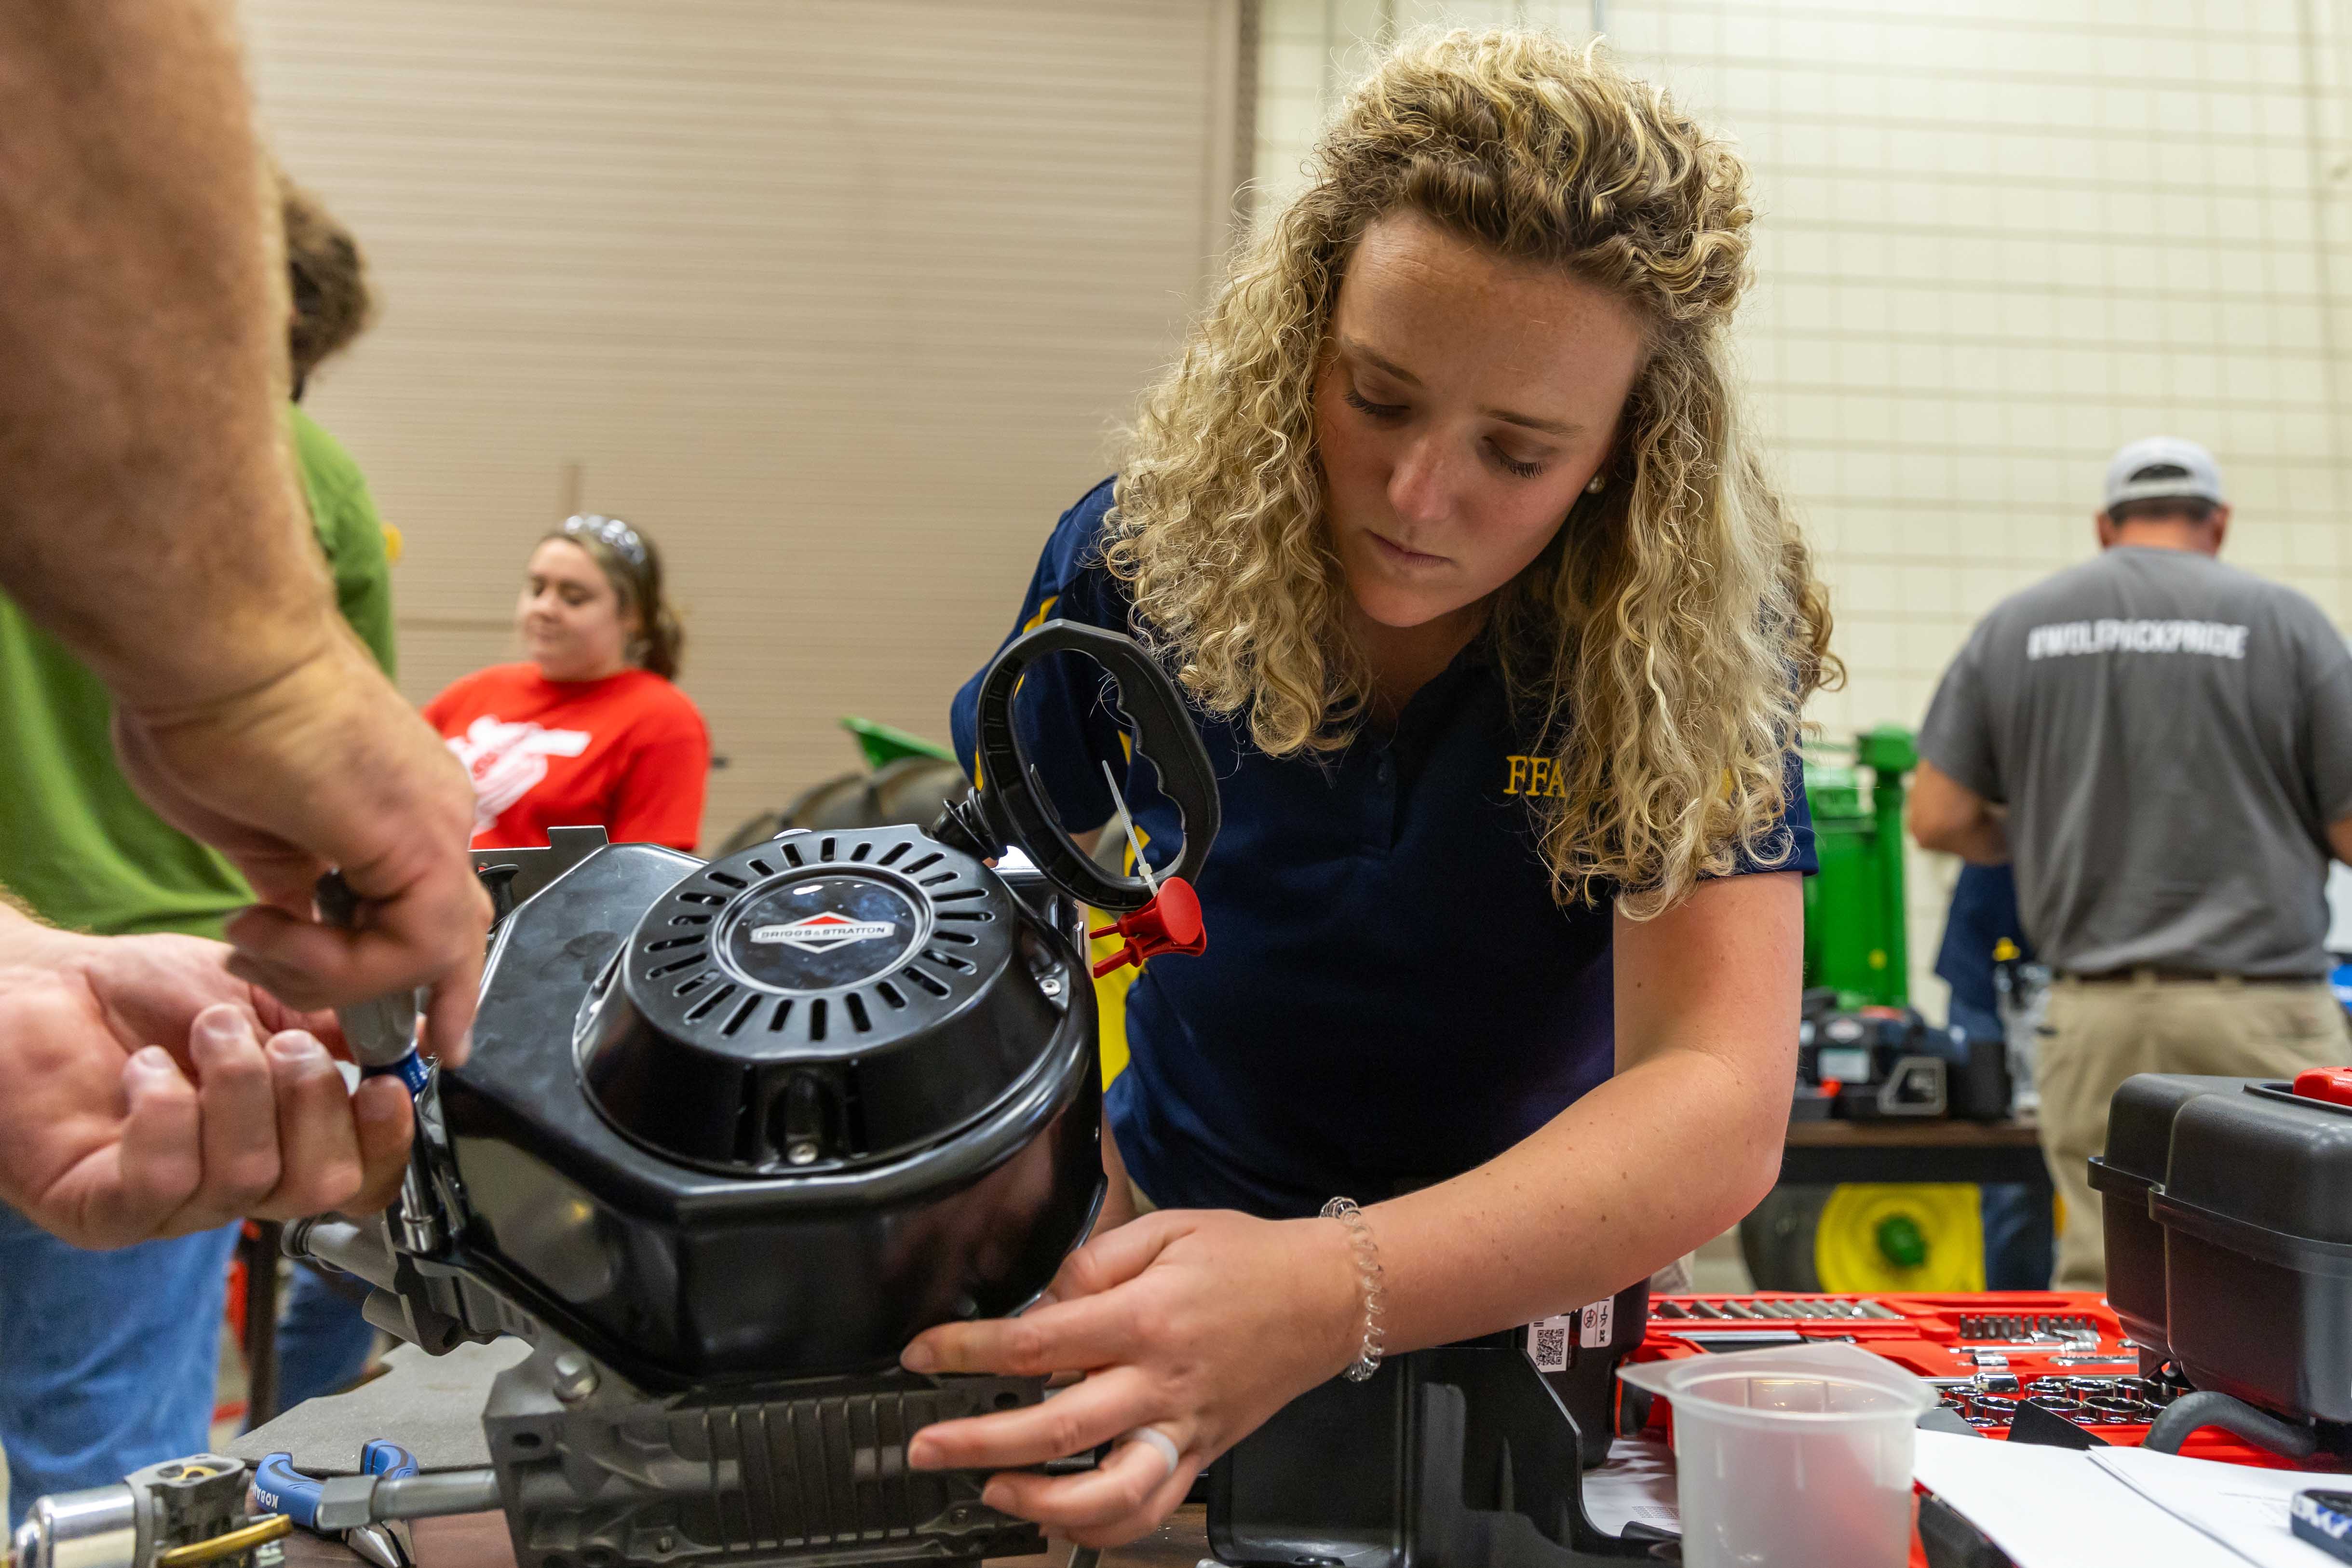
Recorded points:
(731, 1134)
(772, 1116)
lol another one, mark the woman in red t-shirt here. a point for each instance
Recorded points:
(590, 732)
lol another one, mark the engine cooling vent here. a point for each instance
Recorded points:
(768, 1003)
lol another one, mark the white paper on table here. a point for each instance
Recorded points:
(2052, 1508)
(2243, 1508)
(1637, 1485)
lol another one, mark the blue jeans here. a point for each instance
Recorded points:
(2019, 1232)
(108, 1359)
(322, 1341)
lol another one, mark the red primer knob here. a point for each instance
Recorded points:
(2333, 1085)
(1171, 923)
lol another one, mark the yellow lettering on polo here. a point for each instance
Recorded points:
(1535, 775)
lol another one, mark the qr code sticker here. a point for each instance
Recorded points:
(1547, 1344)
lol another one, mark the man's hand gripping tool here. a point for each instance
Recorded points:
(381, 1032)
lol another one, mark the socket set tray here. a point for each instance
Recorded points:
(1987, 1353)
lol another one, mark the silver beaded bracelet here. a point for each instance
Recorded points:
(1368, 1280)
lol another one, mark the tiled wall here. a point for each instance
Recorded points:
(1997, 239)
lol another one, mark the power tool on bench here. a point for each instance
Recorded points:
(729, 1135)
(1877, 1063)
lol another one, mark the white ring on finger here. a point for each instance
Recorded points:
(1154, 1438)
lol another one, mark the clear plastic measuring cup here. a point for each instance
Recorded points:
(1793, 1457)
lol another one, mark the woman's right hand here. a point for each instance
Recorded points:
(1199, 1323)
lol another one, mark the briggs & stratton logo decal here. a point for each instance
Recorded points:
(824, 932)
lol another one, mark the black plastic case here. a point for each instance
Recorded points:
(2228, 1213)
(2138, 1156)
(1457, 1457)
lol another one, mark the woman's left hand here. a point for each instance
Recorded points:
(1201, 1323)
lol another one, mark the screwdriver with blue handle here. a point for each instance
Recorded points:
(381, 1032)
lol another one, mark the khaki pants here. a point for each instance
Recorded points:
(2099, 1033)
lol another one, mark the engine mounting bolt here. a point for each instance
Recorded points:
(575, 1378)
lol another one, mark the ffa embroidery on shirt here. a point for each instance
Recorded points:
(1534, 775)
(506, 760)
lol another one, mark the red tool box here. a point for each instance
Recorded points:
(1988, 1352)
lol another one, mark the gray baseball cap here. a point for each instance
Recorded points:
(2163, 467)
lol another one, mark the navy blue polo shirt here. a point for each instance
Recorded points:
(1391, 995)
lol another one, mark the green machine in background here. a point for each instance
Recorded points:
(1854, 911)
(1863, 1236)
(883, 745)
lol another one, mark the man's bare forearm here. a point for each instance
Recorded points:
(1979, 838)
(150, 520)
(1948, 816)
(1984, 842)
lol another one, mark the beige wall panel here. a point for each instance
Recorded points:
(841, 301)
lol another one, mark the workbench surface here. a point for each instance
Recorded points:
(1909, 1149)
(479, 1541)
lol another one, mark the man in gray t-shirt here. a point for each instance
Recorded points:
(2164, 745)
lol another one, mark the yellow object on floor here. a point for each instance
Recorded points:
(1909, 1235)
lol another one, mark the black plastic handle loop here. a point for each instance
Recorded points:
(1012, 797)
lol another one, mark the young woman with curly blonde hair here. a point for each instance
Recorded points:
(1448, 520)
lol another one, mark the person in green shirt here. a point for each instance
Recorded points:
(77, 843)
(108, 1359)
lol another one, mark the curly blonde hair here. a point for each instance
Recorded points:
(1662, 645)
